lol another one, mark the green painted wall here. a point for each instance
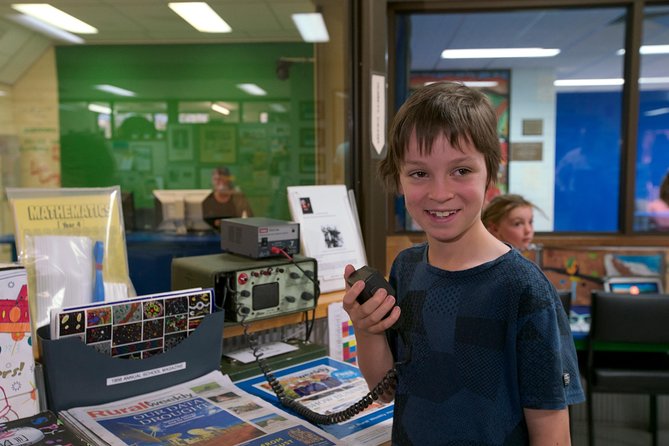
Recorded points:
(267, 141)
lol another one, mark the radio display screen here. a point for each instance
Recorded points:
(265, 296)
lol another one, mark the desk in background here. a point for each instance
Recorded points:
(150, 256)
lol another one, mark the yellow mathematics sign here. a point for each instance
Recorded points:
(72, 243)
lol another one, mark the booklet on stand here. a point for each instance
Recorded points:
(207, 411)
(329, 231)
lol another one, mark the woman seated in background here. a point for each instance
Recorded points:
(225, 200)
(510, 218)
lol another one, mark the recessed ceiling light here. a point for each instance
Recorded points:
(657, 112)
(44, 28)
(118, 91)
(252, 89)
(200, 16)
(279, 108)
(495, 53)
(654, 80)
(481, 84)
(311, 27)
(473, 84)
(609, 81)
(649, 49)
(587, 82)
(55, 17)
(220, 109)
(99, 108)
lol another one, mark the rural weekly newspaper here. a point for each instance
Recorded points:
(207, 411)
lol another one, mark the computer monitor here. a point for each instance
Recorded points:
(170, 211)
(180, 210)
(633, 285)
(193, 200)
(128, 208)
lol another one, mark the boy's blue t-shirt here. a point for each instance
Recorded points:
(481, 344)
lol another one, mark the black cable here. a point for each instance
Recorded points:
(388, 382)
(317, 292)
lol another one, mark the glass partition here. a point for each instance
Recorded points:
(651, 210)
(560, 110)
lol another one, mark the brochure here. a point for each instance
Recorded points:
(207, 411)
(329, 231)
(326, 385)
(135, 328)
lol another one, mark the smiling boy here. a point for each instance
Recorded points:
(482, 347)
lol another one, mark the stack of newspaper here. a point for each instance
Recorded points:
(209, 410)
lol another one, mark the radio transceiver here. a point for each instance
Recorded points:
(248, 288)
(259, 237)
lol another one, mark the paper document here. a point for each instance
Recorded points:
(328, 230)
(245, 355)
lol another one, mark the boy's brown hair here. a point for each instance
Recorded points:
(458, 112)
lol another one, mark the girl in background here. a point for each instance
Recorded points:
(510, 218)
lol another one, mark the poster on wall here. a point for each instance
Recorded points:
(180, 142)
(218, 144)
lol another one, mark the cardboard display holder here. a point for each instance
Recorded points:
(77, 375)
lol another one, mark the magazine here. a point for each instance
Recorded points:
(207, 411)
(326, 385)
(43, 428)
(135, 328)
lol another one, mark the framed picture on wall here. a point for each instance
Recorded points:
(181, 177)
(307, 137)
(218, 144)
(180, 142)
(307, 163)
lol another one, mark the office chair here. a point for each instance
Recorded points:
(565, 298)
(631, 324)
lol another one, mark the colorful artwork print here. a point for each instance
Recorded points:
(99, 316)
(176, 305)
(199, 305)
(145, 327)
(128, 312)
(71, 323)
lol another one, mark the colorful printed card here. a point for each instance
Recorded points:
(18, 390)
(135, 328)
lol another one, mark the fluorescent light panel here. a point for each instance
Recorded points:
(649, 49)
(252, 89)
(605, 82)
(99, 108)
(45, 28)
(200, 16)
(55, 17)
(657, 112)
(218, 108)
(586, 82)
(118, 91)
(311, 27)
(496, 53)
